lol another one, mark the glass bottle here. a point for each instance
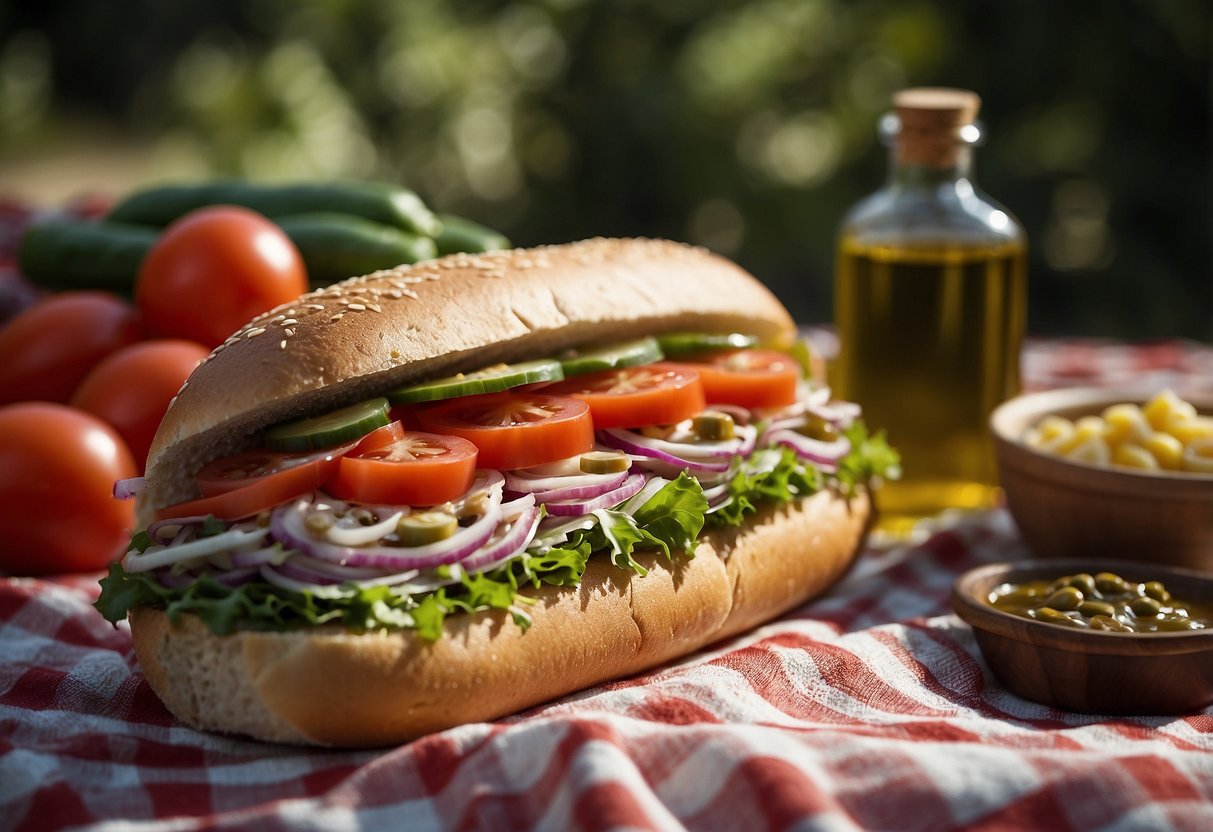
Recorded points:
(930, 306)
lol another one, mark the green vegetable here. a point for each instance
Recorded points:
(387, 204)
(460, 234)
(687, 343)
(83, 254)
(336, 246)
(613, 356)
(489, 380)
(330, 429)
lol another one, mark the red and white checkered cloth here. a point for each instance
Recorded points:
(869, 708)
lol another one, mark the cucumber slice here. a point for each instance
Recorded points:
(489, 380)
(344, 425)
(627, 354)
(685, 343)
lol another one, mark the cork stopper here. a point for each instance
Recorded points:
(930, 123)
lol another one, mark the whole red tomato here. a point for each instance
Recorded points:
(214, 270)
(131, 388)
(57, 471)
(47, 349)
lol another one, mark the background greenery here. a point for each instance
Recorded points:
(745, 125)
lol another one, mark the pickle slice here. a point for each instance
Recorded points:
(489, 380)
(426, 527)
(686, 343)
(344, 425)
(604, 462)
(614, 356)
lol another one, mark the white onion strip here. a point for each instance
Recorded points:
(156, 556)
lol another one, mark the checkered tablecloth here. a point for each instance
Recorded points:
(869, 708)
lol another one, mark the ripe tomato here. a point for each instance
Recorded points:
(132, 388)
(749, 378)
(57, 471)
(242, 485)
(652, 394)
(214, 270)
(514, 430)
(47, 349)
(416, 469)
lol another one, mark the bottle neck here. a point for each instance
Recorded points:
(912, 171)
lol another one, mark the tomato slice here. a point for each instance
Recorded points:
(651, 394)
(515, 430)
(749, 378)
(412, 469)
(245, 484)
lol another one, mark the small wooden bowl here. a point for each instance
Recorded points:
(1068, 509)
(1091, 671)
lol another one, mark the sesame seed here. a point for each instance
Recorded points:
(288, 332)
(374, 307)
(357, 307)
(289, 322)
(282, 344)
(337, 317)
(254, 332)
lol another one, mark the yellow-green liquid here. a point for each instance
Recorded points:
(930, 341)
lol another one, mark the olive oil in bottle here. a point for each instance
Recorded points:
(930, 306)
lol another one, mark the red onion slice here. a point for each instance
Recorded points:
(514, 541)
(628, 441)
(606, 482)
(162, 531)
(696, 452)
(523, 484)
(628, 489)
(826, 455)
(256, 557)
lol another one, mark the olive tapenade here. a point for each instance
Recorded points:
(1103, 601)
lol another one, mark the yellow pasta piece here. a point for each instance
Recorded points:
(1085, 429)
(1130, 455)
(1198, 456)
(1126, 423)
(1051, 427)
(1093, 451)
(1168, 450)
(1190, 429)
(1165, 407)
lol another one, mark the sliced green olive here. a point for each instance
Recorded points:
(815, 427)
(1084, 582)
(493, 379)
(612, 357)
(426, 527)
(344, 425)
(713, 426)
(604, 462)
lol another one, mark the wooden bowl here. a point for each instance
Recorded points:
(1091, 671)
(1068, 509)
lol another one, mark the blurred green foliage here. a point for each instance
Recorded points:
(746, 125)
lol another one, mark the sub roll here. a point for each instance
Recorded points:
(450, 491)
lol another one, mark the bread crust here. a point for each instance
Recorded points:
(367, 335)
(328, 687)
